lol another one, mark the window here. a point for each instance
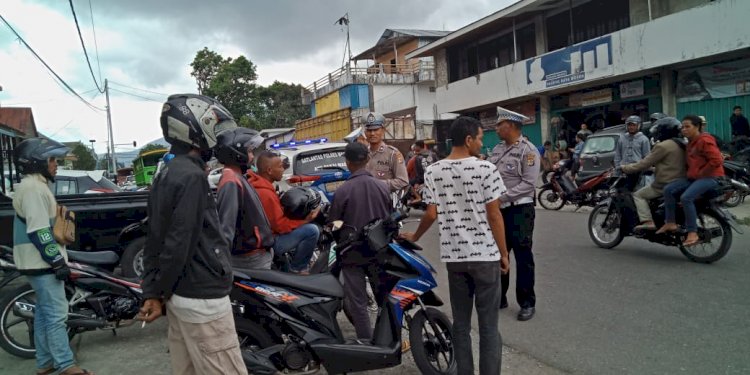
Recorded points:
(599, 145)
(317, 161)
(65, 187)
(590, 20)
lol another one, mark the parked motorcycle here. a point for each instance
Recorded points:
(737, 171)
(562, 189)
(98, 299)
(288, 322)
(616, 217)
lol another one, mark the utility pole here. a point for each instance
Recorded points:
(111, 145)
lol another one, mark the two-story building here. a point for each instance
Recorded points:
(15, 125)
(401, 88)
(563, 63)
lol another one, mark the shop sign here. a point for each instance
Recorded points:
(585, 99)
(581, 62)
(631, 89)
(714, 81)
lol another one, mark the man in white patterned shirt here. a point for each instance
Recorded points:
(462, 192)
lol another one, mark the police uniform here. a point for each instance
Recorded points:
(386, 162)
(518, 164)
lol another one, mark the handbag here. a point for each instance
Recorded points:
(64, 229)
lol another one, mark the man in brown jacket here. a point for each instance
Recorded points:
(668, 158)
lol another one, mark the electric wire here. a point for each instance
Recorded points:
(83, 45)
(135, 88)
(62, 81)
(96, 44)
(136, 95)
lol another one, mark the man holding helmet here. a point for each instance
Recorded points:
(292, 228)
(39, 256)
(244, 223)
(668, 159)
(186, 257)
(386, 162)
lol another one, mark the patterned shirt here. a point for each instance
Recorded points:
(461, 189)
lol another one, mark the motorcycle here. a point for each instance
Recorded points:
(616, 217)
(402, 200)
(739, 172)
(288, 322)
(97, 299)
(562, 189)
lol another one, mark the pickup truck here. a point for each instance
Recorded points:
(100, 219)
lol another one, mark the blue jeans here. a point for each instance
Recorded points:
(50, 330)
(691, 190)
(301, 242)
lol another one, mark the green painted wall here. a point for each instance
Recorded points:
(717, 112)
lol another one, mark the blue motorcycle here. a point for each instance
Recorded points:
(288, 322)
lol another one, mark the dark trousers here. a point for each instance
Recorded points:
(355, 293)
(476, 284)
(519, 233)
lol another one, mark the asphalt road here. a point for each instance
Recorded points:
(637, 309)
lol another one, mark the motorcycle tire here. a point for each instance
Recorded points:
(131, 264)
(251, 335)
(600, 210)
(428, 347)
(555, 203)
(721, 251)
(7, 341)
(734, 200)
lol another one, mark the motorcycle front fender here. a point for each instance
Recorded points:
(729, 217)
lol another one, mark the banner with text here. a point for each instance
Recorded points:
(581, 62)
(714, 81)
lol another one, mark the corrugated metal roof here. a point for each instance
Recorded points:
(398, 36)
(20, 119)
(421, 33)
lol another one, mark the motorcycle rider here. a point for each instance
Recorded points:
(186, 258)
(631, 147)
(295, 236)
(704, 166)
(668, 159)
(39, 256)
(244, 223)
(386, 162)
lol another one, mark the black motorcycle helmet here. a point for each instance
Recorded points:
(298, 202)
(656, 116)
(666, 128)
(32, 155)
(232, 145)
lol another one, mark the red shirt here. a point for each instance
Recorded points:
(280, 224)
(411, 167)
(704, 158)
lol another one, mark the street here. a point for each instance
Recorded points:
(636, 309)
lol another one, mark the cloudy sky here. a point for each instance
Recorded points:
(145, 48)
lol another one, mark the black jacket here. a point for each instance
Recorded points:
(185, 252)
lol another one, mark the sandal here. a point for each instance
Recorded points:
(47, 371)
(691, 243)
(77, 371)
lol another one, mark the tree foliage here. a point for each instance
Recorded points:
(85, 160)
(232, 83)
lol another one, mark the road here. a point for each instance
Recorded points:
(637, 309)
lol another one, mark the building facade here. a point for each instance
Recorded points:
(564, 63)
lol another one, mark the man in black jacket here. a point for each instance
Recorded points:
(186, 257)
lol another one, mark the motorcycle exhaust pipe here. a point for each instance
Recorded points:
(24, 310)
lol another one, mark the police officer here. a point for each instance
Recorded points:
(386, 162)
(518, 161)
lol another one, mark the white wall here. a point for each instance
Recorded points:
(392, 98)
(715, 28)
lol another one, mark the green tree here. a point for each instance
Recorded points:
(151, 147)
(205, 65)
(280, 106)
(85, 161)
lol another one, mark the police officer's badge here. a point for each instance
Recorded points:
(530, 159)
(370, 118)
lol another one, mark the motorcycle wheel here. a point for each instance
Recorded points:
(431, 337)
(550, 199)
(711, 228)
(16, 332)
(734, 200)
(605, 230)
(251, 335)
(131, 263)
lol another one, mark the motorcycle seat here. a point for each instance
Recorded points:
(322, 283)
(94, 257)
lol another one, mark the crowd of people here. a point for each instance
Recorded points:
(484, 210)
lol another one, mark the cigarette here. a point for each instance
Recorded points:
(143, 325)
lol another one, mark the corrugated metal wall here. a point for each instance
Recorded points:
(717, 112)
(327, 104)
(334, 126)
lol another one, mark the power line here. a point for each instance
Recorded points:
(72, 91)
(136, 95)
(96, 45)
(135, 88)
(83, 45)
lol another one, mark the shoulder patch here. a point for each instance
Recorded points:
(530, 159)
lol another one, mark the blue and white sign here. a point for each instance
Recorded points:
(581, 62)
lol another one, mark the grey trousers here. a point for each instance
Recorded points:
(476, 284)
(641, 198)
(261, 260)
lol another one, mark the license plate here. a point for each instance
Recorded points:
(332, 186)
